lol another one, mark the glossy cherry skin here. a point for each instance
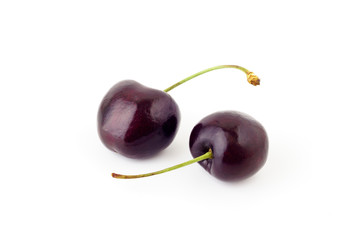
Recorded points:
(239, 144)
(137, 121)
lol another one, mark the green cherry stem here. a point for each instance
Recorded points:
(198, 159)
(251, 77)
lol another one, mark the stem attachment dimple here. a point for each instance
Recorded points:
(198, 159)
(251, 77)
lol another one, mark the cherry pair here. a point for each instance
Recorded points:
(139, 122)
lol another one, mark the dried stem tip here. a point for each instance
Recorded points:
(253, 79)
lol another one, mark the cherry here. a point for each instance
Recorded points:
(229, 145)
(138, 122)
(238, 142)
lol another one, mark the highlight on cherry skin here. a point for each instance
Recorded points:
(139, 122)
(230, 145)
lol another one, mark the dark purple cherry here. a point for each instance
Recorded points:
(229, 145)
(138, 122)
(238, 142)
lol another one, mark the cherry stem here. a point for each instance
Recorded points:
(251, 77)
(198, 159)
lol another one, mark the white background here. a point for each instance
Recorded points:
(59, 58)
